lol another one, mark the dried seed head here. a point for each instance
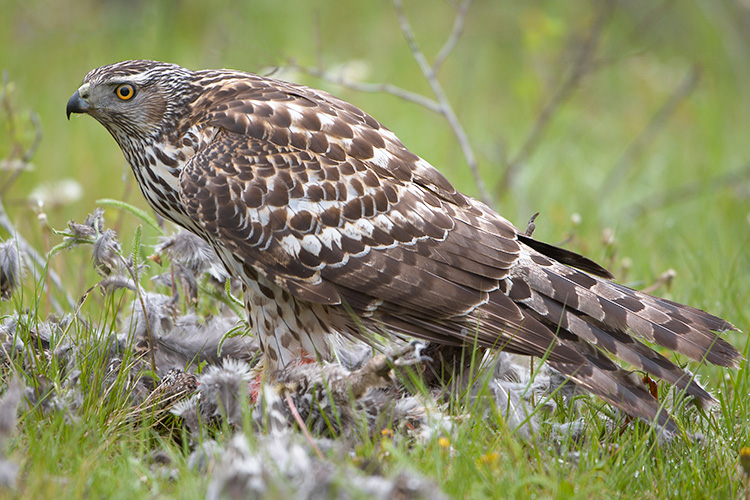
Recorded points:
(193, 253)
(106, 247)
(106, 253)
(96, 220)
(223, 388)
(92, 227)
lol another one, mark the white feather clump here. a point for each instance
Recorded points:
(281, 465)
(9, 403)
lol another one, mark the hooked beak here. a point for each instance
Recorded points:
(76, 105)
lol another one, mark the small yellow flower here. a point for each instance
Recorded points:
(745, 459)
(387, 433)
(444, 442)
(490, 458)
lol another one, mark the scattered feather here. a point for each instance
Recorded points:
(9, 403)
(11, 268)
(280, 465)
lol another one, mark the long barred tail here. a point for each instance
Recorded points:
(588, 311)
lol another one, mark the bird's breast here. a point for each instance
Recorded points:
(157, 167)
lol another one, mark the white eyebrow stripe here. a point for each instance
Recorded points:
(136, 80)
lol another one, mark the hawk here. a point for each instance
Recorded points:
(334, 226)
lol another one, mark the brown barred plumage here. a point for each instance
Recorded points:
(322, 212)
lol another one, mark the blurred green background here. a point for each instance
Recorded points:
(652, 139)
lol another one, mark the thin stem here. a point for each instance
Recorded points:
(581, 66)
(385, 88)
(303, 427)
(445, 107)
(650, 131)
(458, 28)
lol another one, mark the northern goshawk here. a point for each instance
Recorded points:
(334, 226)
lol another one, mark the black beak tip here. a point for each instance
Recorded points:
(76, 105)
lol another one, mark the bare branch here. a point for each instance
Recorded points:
(458, 28)
(18, 159)
(647, 135)
(531, 226)
(687, 191)
(31, 150)
(446, 108)
(369, 87)
(581, 66)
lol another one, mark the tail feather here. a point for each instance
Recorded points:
(692, 325)
(666, 324)
(595, 316)
(624, 347)
(602, 377)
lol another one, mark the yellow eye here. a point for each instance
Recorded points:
(125, 91)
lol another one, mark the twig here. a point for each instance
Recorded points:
(647, 135)
(445, 107)
(303, 427)
(458, 28)
(31, 150)
(581, 66)
(531, 226)
(688, 190)
(385, 88)
(17, 151)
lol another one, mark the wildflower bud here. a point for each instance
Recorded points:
(745, 460)
(491, 458)
(43, 220)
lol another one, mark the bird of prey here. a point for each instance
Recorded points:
(334, 226)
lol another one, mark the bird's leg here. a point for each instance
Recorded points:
(255, 385)
(377, 371)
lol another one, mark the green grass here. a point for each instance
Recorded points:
(673, 206)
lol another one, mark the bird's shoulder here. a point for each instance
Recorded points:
(299, 118)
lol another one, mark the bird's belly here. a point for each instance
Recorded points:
(288, 328)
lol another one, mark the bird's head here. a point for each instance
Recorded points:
(135, 99)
